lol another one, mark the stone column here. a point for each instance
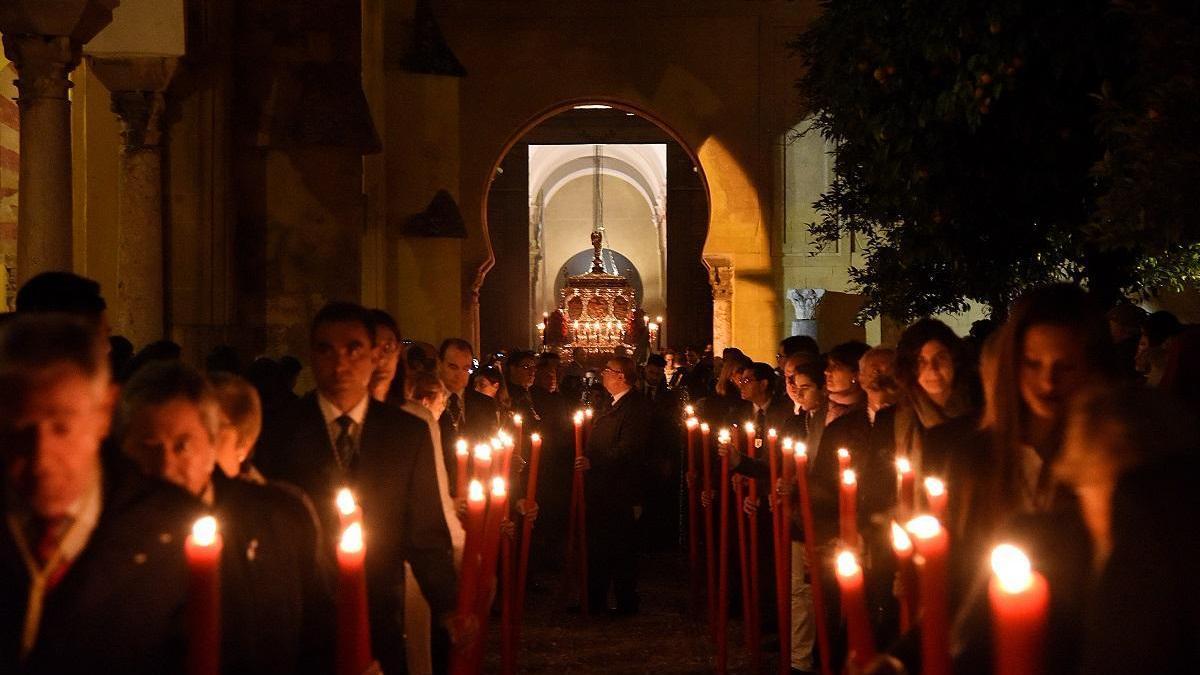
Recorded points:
(137, 85)
(805, 301)
(720, 277)
(44, 40)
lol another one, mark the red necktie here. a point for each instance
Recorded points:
(50, 536)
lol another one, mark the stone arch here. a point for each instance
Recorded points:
(746, 306)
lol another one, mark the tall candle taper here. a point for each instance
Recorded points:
(353, 629)
(535, 449)
(933, 547)
(810, 552)
(907, 572)
(739, 499)
(348, 511)
(1020, 600)
(753, 441)
(854, 605)
(905, 488)
(692, 425)
(849, 509)
(203, 552)
(783, 545)
(461, 476)
(935, 492)
(468, 584)
(723, 592)
(843, 456)
(709, 550)
(519, 435)
(481, 463)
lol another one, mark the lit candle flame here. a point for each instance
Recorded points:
(849, 477)
(460, 447)
(352, 538)
(900, 540)
(801, 449)
(345, 502)
(771, 433)
(518, 420)
(578, 417)
(535, 437)
(1012, 568)
(924, 527)
(847, 564)
(843, 453)
(483, 452)
(789, 446)
(692, 422)
(499, 487)
(689, 410)
(204, 531)
(658, 319)
(475, 491)
(749, 427)
(496, 443)
(704, 427)
(903, 465)
(723, 435)
(587, 412)
(935, 487)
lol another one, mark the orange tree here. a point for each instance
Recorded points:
(978, 147)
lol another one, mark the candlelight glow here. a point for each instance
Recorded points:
(692, 422)
(847, 564)
(749, 427)
(587, 412)
(499, 487)
(345, 502)
(460, 447)
(723, 436)
(903, 465)
(704, 427)
(789, 446)
(505, 438)
(1013, 569)
(483, 452)
(801, 449)
(204, 531)
(935, 487)
(849, 477)
(689, 410)
(496, 443)
(658, 319)
(578, 417)
(475, 491)
(843, 453)
(517, 420)
(924, 527)
(352, 538)
(535, 437)
(900, 539)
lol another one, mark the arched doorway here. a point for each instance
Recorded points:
(539, 211)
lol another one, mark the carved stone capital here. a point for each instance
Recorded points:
(805, 302)
(720, 277)
(141, 114)
(44, 65)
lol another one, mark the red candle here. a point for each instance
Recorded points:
(577, 528)
(481, 464)
(849, 509)
(843, 460)
(710, 552)
(203, 551)
(854, 604)
(535, 449)
(783, 551)
(933, 547)
(723, 591)
(469, 578)
(461, 454)
(519, 434)
(903, 547)
(496, 513)
(906, 488)
(348, 511)
(810, 552)
(353, 628)
(1020, 600)
(935, 492)
(578, 433)
(755, 633)
(693, 511)
(739, 498)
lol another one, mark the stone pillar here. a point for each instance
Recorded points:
(45, 41)
(805, 301)
(720, 277)
(137, 85)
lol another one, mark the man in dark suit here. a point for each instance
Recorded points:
(338, 436)
(92, 572)
(614, 460)
(469, 414)
(276, 595)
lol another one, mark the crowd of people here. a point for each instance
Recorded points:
(1062, 428)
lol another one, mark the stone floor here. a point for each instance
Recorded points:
(665, 637)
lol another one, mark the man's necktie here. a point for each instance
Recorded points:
(344, 445)
(49, 538)
(760, 427)
(455, 410)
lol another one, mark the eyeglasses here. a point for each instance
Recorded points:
(388, 348)
(611, 370)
